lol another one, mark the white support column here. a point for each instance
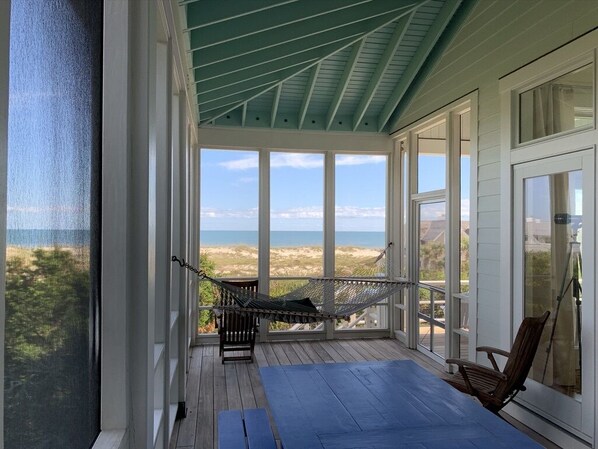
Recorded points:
(264, 232)
(142, 221)
(182, 298)
(115, 209)
(4, 65)
(329, 227)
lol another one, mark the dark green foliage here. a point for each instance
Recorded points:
(46, 351)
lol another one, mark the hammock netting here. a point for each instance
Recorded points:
(320, 299)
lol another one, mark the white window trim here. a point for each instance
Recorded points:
(556, 63)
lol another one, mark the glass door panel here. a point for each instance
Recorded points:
(554, 227)
(431, 226)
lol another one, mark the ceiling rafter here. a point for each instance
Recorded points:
(264, 21)
(309, 90)
(275, 103)
(210, 12)
(244, 114)
(279, 56)
(422, 53)
(344, 82)
(299, 32)
(383, 63)
(232, 79)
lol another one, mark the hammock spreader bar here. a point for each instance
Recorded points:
(320, 299)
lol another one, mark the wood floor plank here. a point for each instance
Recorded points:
(332, 352)
(319, 349)
(280, 353)
(188, 425)
(259, 356)
(269, 354)
(301, 352)
(350, 348)
(220, 393)
(347, 357)
(245, 387)
(291, 354)
(205, 410)
(311, 353)
(233, 393)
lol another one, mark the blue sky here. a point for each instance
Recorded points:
(229, 191)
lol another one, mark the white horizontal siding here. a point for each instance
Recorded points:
(497, 38)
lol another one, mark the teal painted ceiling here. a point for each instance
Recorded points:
(339, 65)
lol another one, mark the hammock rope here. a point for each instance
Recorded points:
(321, 299)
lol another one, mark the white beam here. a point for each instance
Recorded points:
(309, 90)
(275, 105)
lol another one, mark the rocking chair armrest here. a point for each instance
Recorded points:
(490, 351)
(480, 369)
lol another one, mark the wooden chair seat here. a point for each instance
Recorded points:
(237, 331)
(495, 388)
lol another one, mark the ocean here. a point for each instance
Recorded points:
(293, 238)
(33, 238)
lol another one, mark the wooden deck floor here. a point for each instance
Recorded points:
(213, 387)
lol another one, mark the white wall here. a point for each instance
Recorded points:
(497, 38)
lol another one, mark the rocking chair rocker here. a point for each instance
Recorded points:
(495, 388)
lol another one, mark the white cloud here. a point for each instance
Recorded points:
(294, 160)
(300, 161)
(360, 212)
(465, 209)
(345, 159)
(244, 163)
(298, 213)
(228, 213)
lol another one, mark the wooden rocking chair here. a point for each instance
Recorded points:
(495, 388)
(237, 331)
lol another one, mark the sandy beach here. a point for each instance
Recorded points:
(241, 261)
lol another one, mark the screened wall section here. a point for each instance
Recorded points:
(435, 224)
(283, 217)
(51, 340)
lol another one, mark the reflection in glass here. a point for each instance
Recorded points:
(51, 364)
(553, 277)
(431, 158)
(561, 104)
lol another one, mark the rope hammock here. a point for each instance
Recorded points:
(320, 299)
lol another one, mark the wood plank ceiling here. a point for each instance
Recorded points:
(339, 65)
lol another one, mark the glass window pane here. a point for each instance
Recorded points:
(229, 212)
(465, 158)
(553, 275)
(431, 159)
(296, 214)
(51, 365)
(228, 223)
(559, 105)
(360, 215)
